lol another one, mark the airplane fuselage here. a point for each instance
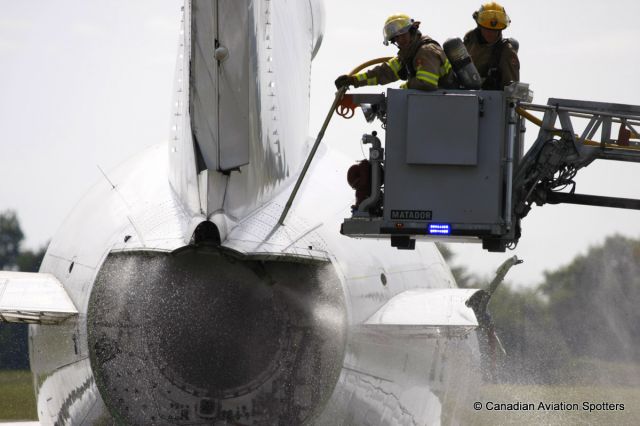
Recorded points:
(196, 308)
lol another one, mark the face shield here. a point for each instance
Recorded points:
(396, 27)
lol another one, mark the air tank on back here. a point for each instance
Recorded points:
(462, 64)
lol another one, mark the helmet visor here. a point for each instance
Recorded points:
(395, 28)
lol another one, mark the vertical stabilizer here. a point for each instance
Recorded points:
(242, 108)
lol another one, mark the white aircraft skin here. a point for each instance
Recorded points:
(196, 308)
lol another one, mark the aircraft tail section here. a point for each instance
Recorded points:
(241, 114)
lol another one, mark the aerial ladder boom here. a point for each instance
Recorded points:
(455, 168)
(558, 154)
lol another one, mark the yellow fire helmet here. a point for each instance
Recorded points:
(492, 16)
(396, 25)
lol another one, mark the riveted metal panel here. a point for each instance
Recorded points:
(219, 88)
(234, 77)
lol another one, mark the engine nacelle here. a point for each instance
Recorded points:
(200, 336)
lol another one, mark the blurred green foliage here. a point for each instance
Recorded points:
(579, 326)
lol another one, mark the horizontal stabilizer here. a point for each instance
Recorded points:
(426, 311)
(34, 298)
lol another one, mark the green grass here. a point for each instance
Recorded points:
(17, 399)
(17, 402)
(628, 396)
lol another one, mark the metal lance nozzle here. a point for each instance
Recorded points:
(462, 64)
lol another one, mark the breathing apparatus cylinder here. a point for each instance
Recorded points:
(463, 66)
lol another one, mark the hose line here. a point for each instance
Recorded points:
(334, 106)
(535, 120)
(370, 63)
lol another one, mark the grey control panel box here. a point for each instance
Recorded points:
(444, 160)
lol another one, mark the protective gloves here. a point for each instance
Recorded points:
(345, 81)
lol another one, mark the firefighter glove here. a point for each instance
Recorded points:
(345, 81)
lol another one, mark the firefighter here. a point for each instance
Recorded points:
(495, 57)
(420, 60)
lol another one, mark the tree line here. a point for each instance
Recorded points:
(578, 326)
